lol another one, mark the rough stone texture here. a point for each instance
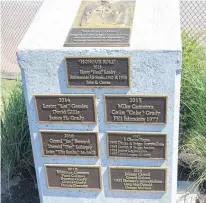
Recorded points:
(155, 53)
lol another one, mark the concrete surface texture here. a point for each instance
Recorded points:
(155, 69)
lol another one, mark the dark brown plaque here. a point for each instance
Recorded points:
(137, 179)
(102, 23)
(67, 143)
(138, 145)
(70, 108)
(97, 71)
(136, 109)
(73, 176)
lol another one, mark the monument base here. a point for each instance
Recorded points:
(155, 65)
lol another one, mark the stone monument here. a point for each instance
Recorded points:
(102, 86)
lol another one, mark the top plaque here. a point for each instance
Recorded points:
(102, 23)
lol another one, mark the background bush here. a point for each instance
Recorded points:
(193, 88)
(192, 154)
(16, 147)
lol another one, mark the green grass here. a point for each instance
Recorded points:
(15, 137)
(6, 87)
(193, 88)
(192, 154)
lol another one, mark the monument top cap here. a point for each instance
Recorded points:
(156, 26)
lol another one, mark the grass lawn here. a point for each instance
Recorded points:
(6, 88)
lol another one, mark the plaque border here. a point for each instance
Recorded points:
(135, 95)
(137, 167)
(72, 165)
(141, 133)
(96, 86)
(97, 45)
(69, 131)
(68, 95)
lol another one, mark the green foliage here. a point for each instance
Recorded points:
(15, 137)
(192, 153)
(193, 88)
(193, 156)
(6, 86)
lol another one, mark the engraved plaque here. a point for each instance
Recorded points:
(73, 176)
(102, 23)
(69, 143)
(65, 108)
(97, 71)
(138, 145)
(137, 179)
(135, 109)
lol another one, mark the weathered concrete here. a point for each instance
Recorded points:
(155, 53)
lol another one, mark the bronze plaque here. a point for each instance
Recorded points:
(97, 71)
(73, 176)
(137, 179)
(70, 108)
(136, 109)
(102, 23)
(67, 143)
(138, 145)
